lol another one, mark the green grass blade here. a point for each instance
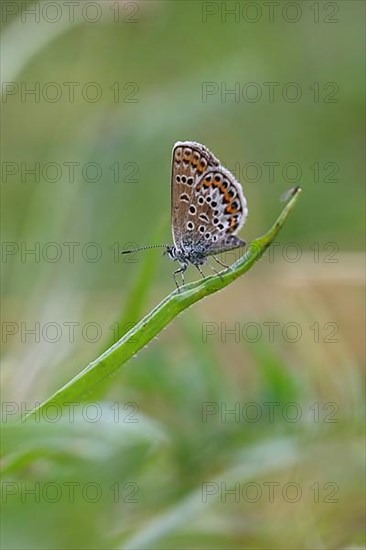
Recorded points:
(143, 332)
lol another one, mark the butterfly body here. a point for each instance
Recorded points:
(188, 254)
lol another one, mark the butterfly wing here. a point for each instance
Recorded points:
(190, 160)
(224, 210)
(208, 205)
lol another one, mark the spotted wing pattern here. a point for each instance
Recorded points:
(208, 205)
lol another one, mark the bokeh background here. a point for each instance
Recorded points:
(153, 455)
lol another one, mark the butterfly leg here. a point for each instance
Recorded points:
(214, 270)
(200, 270)
(220, 262)
(180, 270)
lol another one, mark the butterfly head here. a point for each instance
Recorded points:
(171, 252)
(174, 253)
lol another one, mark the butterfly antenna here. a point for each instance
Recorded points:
(129, 251)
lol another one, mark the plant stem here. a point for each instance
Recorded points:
(152, 324)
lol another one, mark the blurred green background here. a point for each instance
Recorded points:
(152, 461)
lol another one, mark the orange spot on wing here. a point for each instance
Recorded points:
(195, 159)
(231, 210)
(202, 165)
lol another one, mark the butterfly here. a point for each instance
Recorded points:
(208, 208)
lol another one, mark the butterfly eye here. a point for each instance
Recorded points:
(184, 179)
(235, 205)
(201, 229)
(213, 204)
(207, 236)
(192, 209)
(218, 178)
(231, 193)
(208, 199)
(214, 238)
(200, 200)
(215, 221)
(177, 179)
(190, 226)
(221, 226)
(190, 181)
(225, 184)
